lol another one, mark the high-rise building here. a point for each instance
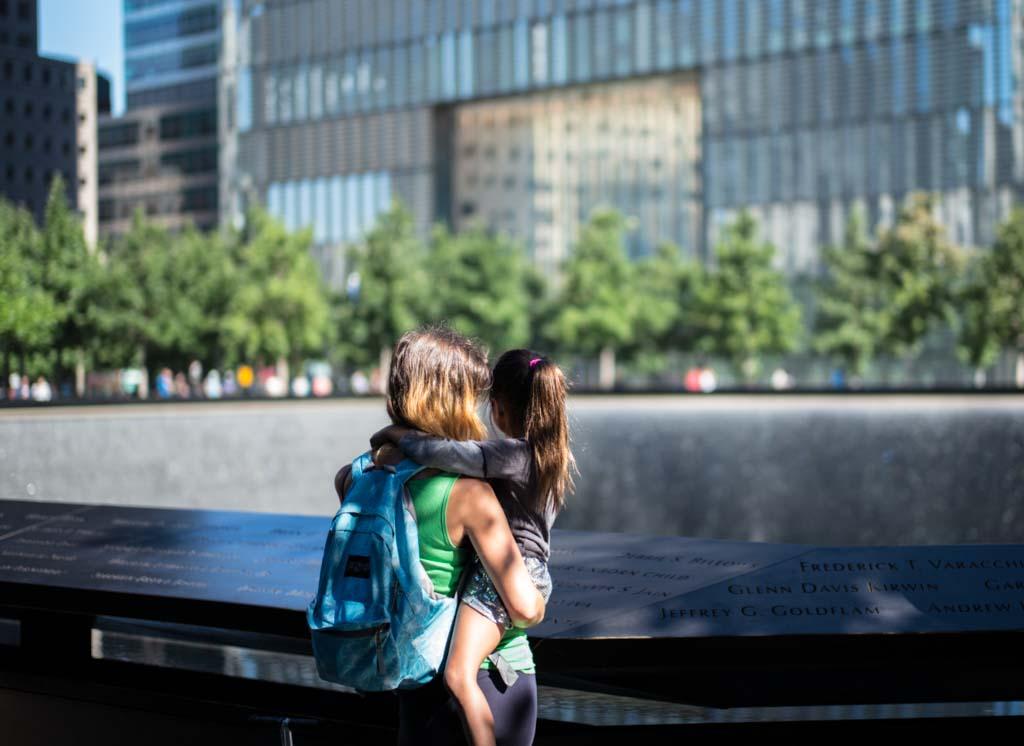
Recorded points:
(162, 155)
(48, 123)
(171, 50)
(92, 99)
(528, 113)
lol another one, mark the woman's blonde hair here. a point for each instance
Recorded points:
(437, 377)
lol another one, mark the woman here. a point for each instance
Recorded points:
(434, 385)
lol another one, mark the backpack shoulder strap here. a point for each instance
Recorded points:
(361, 463)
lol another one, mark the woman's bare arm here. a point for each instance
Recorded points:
(473, 511)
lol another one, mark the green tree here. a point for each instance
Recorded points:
(66, 267)
(134, 314)
(541, 307)
(279, 308)
(992, 301)
(479, 286)
(28, 313)
(208, 278)
(664, 286)
(596, 304)
(850, 321)
(742, 308)
(387, 290)
(918, 271)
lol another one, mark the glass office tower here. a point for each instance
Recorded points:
(171, 50)
(795, 109)
(162, 156)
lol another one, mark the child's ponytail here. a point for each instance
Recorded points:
(534, 390)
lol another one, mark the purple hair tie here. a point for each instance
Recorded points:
(534, 361)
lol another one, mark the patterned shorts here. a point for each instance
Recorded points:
(480, 593)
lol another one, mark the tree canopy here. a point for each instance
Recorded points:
(742, 307)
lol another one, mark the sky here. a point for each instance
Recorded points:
(86, 30)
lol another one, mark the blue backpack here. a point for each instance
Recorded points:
(376, 623)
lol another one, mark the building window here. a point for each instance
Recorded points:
(199, 123)
(180, 59)
(539, 53)
(243, 113)
(270, 99)
(521, 54)
(119, 135)
(284, 97)
(316, 92)
(301, 92)
(466, 69)
(321, 212)
(448, 68)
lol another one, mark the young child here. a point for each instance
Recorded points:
(530, 472)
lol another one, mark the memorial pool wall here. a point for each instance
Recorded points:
(871, 470)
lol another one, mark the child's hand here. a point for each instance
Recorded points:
(387, 454)
(390, 434)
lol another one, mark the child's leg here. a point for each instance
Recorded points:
(473, 639)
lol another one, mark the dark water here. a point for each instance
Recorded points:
(822, 470)
(878, 471)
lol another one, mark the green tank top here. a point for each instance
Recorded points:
(443, 561)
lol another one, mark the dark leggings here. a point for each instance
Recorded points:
(514, 708)
(429, 715)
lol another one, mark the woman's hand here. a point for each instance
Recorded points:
(473, 511)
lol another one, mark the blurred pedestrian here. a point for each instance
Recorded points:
(692, 380)
(837, 378)
(164, 384)
(13, 384)
(195, 377)
(41, 390)
(322, 385)
(274, 386)
(212, 386)
(360, 383)
(781, 380)
(708, 380)
(300, 387)
(181, 385)
(376, 381)
(25, 389)
(230, 386)
(245, 377)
